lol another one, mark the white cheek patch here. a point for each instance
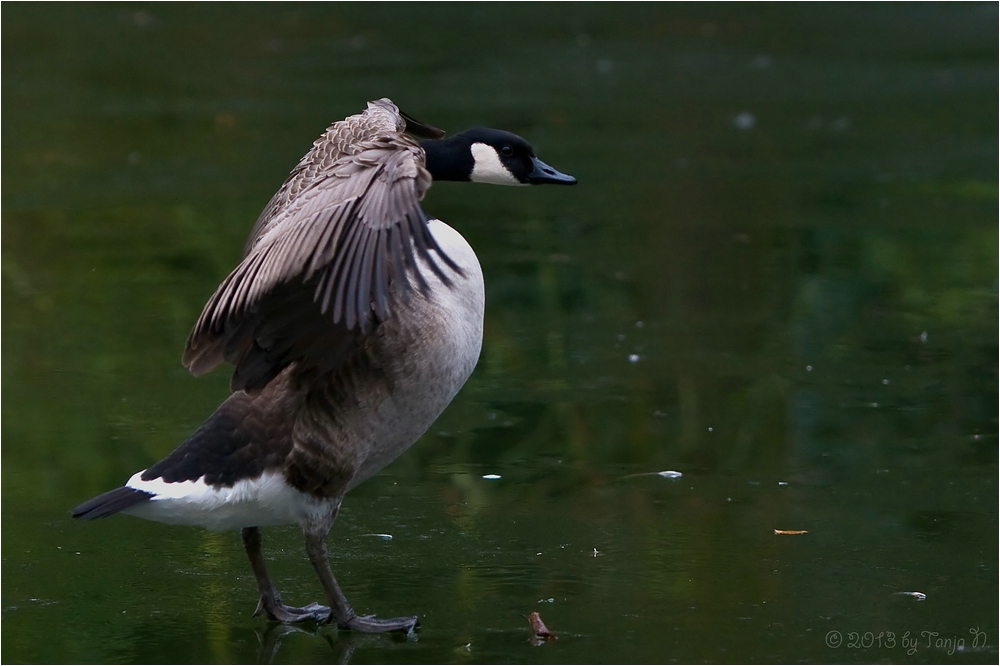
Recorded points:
(487, 167)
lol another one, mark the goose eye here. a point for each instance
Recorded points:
(506, 151)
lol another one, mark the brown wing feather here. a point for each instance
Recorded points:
(343, 138)
(317, 269)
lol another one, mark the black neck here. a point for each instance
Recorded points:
(448, 159)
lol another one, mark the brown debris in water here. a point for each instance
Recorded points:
(537, 626)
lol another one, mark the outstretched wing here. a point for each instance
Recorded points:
(316, 272)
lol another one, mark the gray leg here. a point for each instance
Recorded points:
(342, 612)
(270, 600)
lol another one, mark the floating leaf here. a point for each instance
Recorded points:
(537, 626)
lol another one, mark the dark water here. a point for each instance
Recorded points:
(778, 276)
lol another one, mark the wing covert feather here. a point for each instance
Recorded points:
(318, 267)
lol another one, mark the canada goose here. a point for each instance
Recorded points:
(352, 321)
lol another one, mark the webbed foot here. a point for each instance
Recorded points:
(372, 625)
(279, 612)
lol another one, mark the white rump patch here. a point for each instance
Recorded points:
(487, 167)
(266, 500)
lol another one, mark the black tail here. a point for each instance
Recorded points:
(111, 502)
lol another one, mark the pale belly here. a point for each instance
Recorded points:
(444, 336)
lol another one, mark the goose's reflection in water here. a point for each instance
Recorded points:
(342, 643)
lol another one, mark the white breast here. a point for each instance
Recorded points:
(466, 297)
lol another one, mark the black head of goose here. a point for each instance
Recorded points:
(352, 321)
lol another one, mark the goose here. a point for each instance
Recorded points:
(352, 320)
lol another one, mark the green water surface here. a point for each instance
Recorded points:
(777, 276)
